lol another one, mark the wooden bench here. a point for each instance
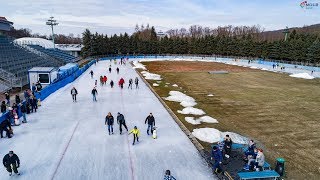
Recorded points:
(269, 174)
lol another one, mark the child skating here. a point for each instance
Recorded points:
(136, 132)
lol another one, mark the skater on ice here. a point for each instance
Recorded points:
(151, 122)
(23, 110)
(91, 73)
(136, 81)
(11, 162)
(135, 131)
(168, 176)
(109, 121)
(105, 80)
(121, 82)
(122, 122)
(74, 93)
(95, 83)
(110, 69)
(117, 70)
(111, 84)
(5, 126)
(94, 93)
(130, 83)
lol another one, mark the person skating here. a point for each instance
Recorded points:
(94, 92)
(118, 70)
(121, 82)
(91, 73)
(33, 103)
(136, 81)
(167, 176)
(227, 146)
(101, 81)
(151, 122)
(135, 131)
(216, 154)
(74, 93)
(111, 84)
(122, 122)
(105, 79)
(109, 69)
(130, 83)
(11, 162)
(109, 121)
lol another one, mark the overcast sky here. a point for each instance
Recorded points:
(118, 16)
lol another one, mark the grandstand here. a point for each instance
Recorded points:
(17, 59)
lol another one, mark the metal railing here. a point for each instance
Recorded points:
(10, 80)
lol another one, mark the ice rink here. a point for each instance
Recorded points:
(67, 140)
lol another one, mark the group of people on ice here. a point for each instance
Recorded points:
(109, 121)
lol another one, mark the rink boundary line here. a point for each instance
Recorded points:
(184, 129)
(64, 152)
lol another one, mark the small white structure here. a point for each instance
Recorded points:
(72, 49)
(46, 75)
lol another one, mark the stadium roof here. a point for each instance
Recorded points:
(35, 41)
(5, 25)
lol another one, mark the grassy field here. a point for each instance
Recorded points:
(280, 112)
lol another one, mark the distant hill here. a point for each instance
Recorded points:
(278, 34)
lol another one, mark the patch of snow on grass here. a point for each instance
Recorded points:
(191, 120)
(192, 110)
(208, 119)
(302, 75)
(188, 103)
(212, 135)
(138, 65)
(175, 85)
(155, 84)
(151, 76)
(210, 95)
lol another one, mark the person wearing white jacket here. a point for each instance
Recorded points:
(260, 159)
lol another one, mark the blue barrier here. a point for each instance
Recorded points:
(45, 92)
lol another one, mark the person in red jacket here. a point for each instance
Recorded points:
(121, 82)
(105, 79)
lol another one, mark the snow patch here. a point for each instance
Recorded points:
(188, 103)
(167, 83)
(208, 119)
(264, 69)
(184, 100)
(138, 65)
(210, 95)
(151, 76)
(212, 135)
(175, 85)
(253, 67)
(193, 121)
(302, 75)
(191, 110)
(155, 84)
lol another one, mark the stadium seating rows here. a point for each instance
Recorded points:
(56, 53)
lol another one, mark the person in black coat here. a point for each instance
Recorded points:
(122, 122)
(39, 86)
(23, 110)
(3, 107)
(227, 146)
(111, 84)
(5, 126)
(18, 99)
(94, 93)
(109, 121)
(151, 122)
(33, 103)
(11, 162)
(28, 106)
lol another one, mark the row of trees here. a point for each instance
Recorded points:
(235, 41)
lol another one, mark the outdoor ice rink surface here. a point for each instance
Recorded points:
(66, 140)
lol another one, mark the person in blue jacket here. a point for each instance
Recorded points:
(109, 121)
(216, 154)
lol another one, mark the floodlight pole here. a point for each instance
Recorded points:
(51, 22)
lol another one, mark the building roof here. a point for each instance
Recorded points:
(35, 41)
(5, 25)
(41, 69)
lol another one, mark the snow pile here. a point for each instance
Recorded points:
(264, 69)
(192, 110)
(193, 121)
(158, 82)
(302, 75)
(206, 119)
(184, 100)
(210, 95)
(151, 76)
(175, 85)
(209, 135)
(155, 84)
(138, 65)
(167, 83)
(212, 135)
(253, 67)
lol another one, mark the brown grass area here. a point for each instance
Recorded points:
(280, 112)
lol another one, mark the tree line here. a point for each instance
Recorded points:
(241, 41)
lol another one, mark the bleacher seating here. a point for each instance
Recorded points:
(18, 60)
(56, 53)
